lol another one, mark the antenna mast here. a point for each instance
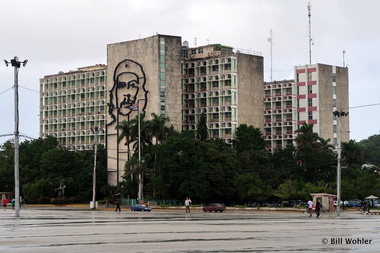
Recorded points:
(310, 39)
(271, 42)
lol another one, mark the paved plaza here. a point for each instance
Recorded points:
(71, 230)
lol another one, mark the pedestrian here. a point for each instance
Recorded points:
(13, 202)
(107, 205)
(310, 206)
(318, 206)
(117, 202)
(187, 205)
(5, 202)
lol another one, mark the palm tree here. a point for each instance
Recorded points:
(306, 137)
(156, 128)
(136, 168)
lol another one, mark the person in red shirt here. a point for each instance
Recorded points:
(5, 202)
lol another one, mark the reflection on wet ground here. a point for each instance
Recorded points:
(45, 230)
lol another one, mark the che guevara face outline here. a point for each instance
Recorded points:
(129, 82)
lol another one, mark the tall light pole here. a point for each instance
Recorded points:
(339, 114)
(16, 64)
(140, 193)
(95, 130)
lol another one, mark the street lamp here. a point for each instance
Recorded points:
(339, 114)
(16, 64)
(140, 193)
(93, 206)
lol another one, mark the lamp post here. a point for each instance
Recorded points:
(140, 193)
(95, 130)
(339, 114)
(16, 64)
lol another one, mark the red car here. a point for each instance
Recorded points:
(213, 207)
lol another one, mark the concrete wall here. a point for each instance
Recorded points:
(250, 90)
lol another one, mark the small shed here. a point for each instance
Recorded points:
(6, 195)
(326, 199)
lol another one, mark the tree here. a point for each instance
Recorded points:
(314, 154)
(202, 131)
(351, 154)
(248, 138)
(157, 129)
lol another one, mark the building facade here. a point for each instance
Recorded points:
(321, 90)
(224, 86)
(280, 113)
(72, 104)
(144, 76)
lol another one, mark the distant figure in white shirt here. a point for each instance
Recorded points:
(310, 207)
(187, 204)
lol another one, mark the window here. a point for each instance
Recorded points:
(334, 77)
(309, 89)
(309, 102)
(200, 50)
(310, 115)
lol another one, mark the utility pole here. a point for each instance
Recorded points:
(339, 114)
(140, 193)
(16, 64)
(310, 39)
(271, 42)
(95, 130)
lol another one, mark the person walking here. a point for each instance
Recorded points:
(310, 207)
(13, 202)
(5, 202)
(117, 202)
(187, 205)
(318, 206)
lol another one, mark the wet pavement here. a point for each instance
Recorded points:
(73, 230)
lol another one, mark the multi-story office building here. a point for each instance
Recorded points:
(224, 86)
(182, 83)
(280, 113)
(72, 104)
(321, 90)
(317, 91)
(161, 75)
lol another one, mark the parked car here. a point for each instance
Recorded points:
(355, 203)
(213, 207)
(140, 208)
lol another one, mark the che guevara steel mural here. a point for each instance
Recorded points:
(128, 88)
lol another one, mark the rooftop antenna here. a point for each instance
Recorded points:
(271, 42)
(344, 64)
(310, 39)
(195, 41)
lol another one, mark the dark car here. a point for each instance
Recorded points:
(141, 208)
(213, 207)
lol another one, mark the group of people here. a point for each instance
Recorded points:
(5, 203)
(318, 206)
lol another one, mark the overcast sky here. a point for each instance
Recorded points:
(64, 35)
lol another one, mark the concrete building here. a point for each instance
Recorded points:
(224, 86)
(167, 78)
(280, 113)
(73, 103)
(321, 90)
(144, 75)
(316, 92)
